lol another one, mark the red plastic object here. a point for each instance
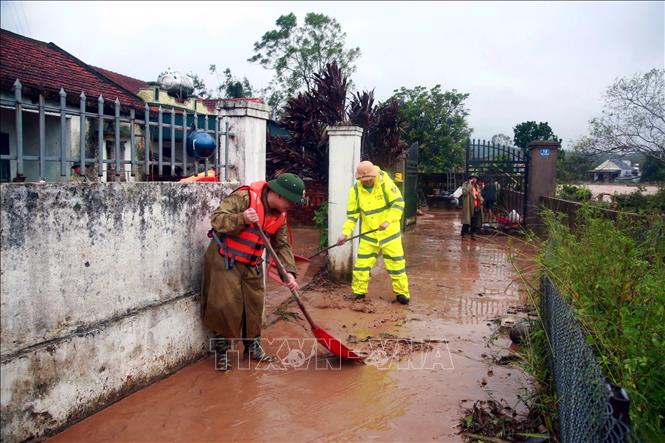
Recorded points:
(206, 179)
(333, 345)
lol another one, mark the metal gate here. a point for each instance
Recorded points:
(410, 189)
(503, 170)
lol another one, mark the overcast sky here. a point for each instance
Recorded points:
(542, 61)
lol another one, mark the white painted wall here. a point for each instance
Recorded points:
(344, 156)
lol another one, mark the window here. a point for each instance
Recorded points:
(5, 172)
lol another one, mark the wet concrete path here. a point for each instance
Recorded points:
(457, 288)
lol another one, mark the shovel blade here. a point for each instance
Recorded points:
(334, 345)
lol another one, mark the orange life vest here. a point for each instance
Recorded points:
(247, 246)
(476, 196)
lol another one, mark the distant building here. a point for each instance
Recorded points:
(615, 170)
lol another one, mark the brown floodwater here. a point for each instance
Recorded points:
(457, 289)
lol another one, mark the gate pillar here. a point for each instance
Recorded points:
(247, 148)
(541, 176)
(344, 156)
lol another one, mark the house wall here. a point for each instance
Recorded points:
(99, 294)
(31, 142)
(163, 97)
(73, 141)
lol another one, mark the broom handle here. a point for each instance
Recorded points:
(283, 273)
(335, 245)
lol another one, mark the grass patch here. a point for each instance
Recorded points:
(612, 273)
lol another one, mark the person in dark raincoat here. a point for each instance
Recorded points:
(232, 290)
(472, 203)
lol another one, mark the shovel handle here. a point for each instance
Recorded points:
(283, 273)
(335, 245)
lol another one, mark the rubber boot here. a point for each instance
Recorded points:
(355, 296)
(254, 351)
(221, 346)
(403, 299)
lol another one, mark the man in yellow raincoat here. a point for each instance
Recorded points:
(378, 203)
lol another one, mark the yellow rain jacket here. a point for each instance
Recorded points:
(383, 203)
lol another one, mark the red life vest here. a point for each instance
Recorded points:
(247, 246)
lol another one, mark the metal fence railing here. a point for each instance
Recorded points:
(590, 410)
(571, 208)
(118, 140)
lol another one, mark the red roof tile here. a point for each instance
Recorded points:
(45, 68)
(131, 84)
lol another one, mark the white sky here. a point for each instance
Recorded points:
(542, 61)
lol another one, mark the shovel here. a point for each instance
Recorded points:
(273, 274)
(335, 245)
(322, 336)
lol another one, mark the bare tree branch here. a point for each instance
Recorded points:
(633, 119)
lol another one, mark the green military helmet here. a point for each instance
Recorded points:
(289, 186)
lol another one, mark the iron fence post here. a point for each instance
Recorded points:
(146, 139)
(226, 150)
(132, 141)
(172, 165)
(63, 131)
(42, 139)
(100, 136)
(184, 143)
(18, 87)
(82, 130)
(117, 137)
(160, 147)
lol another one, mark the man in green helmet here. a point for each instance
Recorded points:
(232, 290)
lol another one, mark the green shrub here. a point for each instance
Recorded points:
(637, 201)
(613, 275)
(321, 222)
(575, 193)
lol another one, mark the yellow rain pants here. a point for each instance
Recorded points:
(383, 203)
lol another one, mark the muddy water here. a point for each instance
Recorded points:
(457, 288)
(619, 188)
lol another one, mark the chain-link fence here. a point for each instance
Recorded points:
(590, 410)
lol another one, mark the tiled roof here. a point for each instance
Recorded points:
(45, 68)
(131, 84)
(612, 165)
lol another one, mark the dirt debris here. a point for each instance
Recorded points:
(366, 306)
(496, 421)
(322, 282)
(389, 346)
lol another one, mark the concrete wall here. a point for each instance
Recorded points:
(99, 294)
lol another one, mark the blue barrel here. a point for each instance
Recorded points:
(200, 144)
